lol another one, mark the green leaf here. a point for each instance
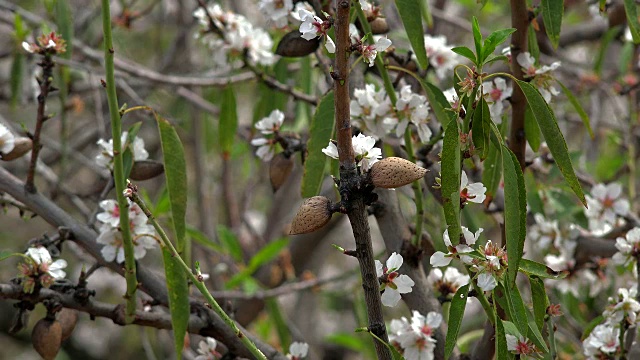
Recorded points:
(493, 40)
(515, 212)
(127, 155)
(64, 20)
(438, 102)
(228, 121)
(531, 130)
(15, 80)
(282, 328)
(536, 337)
(350, 341)
(481, 128)
(532, 43)
(320, 131)
(450, 171)
(578, 107)
(552, 134)
(202, 239)
(493, 58)
(492, 174)
(395, 355)
(539, 299)
(466, 52)
(266, 254)
(411, 15)
(175, 172)
(531, 267)
(602, 5)
(516, 308)
(631, 8)
(605, 41)
(552, 11)
(178, 290)
(456, 313)
(477, 39)
(502, 352)
(5, 254)
(230, 242)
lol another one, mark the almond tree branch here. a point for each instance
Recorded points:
(349, 177)
(148, 281)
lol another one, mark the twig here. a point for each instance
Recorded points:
(118, 166)
(197, 281)
(357, 212)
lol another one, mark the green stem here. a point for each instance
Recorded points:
(199, 284)
(552, 338)
(118, 168)
(391, 92)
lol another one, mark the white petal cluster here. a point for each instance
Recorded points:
(474, 192)
(369, 52)
(363, 147)
(7, 140)
(628, 246)
(298, 350)
(606, 207)
(545, 233)
(415, 339)
(267, 126)
(448, 282)
(207, 349)
(440, 55)
(42, 257)
(440, 259)
(313, 26)
(276, 10)
(105, 157)
(111, 237)
(415, 109)
(393, 283)
(496, 92)
(541, 77)
(235, 37)
(603, 342)
(371, 111)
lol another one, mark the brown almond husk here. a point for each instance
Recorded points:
(68, 318)
(279, 170)
(313, 214)
(379, 26)
(145, 170)
(393, 172)
(46, 338)
(294, 45)
(21, 146)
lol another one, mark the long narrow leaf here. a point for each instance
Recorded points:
(576, 105)
(451, 180)
(456, 313)
(228, 121)
(320, 132)
(631, 8)
(178, 299)
(515, 212)
(411, 16)
(552, 134)
(552, 11)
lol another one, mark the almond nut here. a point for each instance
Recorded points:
(313, 214)
(393, 172)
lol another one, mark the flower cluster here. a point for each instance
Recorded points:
(369, 52)
(393, 284)
(606, 207)
(541, 77)
(298, 351)
(276, 10)
(520, 345)
(415, 339)
(40, 270)
(440, 55)
(496, 92)
(268, 126)
(105, 157)
(313, 27)
(371, 111)
(447, 283)
(50, 44)
(207, 350)
(7, 140)
(413, 108)
(111, 237)
(474, 192)
(440, 259)
(622, 312)
(234, 37)
(363, 147)
(628, 248)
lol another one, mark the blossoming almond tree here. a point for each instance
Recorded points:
(200, 167)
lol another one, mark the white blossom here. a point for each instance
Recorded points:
(369, 52)
(105, 157)
(207, 349)
(276, 10)
(415, 109)
(495, 92)
(439, 259)
(363, 147)
(628, 246)
(544, 232)
(487, 282)
(7, 140)
(393, 283)
(603, 340)
(313, 26)
(266, 148)
(111, 213)
(440, 55)
(370, 110)
(474, 192)
(271, 123)
(42, 257)
(417, 341)
(623, 306)
(447, 283)
(541, 77)
(298, 350)
(605, 207)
